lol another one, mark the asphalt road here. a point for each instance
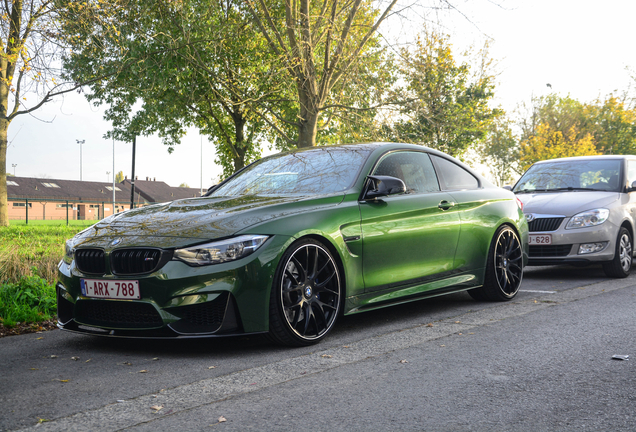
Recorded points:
(541, 362)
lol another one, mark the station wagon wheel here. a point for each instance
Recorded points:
(306, 295)
(621, 265)
(504, 267)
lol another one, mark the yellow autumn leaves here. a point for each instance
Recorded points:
(548, 143)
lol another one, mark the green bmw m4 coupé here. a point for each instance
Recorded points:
(292, 241)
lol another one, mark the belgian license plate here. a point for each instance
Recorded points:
(540, 239)
(113, 289)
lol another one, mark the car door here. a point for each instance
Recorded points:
(475, 207)
(412, 237)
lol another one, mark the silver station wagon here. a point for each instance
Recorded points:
(581, 210)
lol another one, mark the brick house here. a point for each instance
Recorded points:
(38, 199)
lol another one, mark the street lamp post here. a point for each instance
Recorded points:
(80, 142)
(14, 165)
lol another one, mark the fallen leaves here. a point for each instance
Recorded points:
(156, 407)
(126, 363)
(403, 361)
(75, 358)
(53, 356)
(62, 380)
(143, 371)
(222, 419)
(211, 367)
(326, 356)
(429, 325)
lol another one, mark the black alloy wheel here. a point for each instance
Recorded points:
(306, 295)
(504, 267)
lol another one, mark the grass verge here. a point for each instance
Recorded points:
(29, 255)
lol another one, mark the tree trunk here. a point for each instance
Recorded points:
(4, 205)
(239, 146)
(307, 130)
(309, 103)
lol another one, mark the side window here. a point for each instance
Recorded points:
(453, 176)
(415, 169)
(631, 172)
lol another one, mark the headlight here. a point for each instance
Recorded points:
(69, 250)
(588, 218)
(220, 251)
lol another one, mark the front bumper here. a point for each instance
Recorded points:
(177, 301)
(566, 244)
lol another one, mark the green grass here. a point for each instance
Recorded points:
(29, 256)
(32, 299)
(39, 223)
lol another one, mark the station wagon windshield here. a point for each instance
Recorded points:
(320, 171)
(593, 175)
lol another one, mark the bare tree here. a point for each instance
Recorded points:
(29, 64)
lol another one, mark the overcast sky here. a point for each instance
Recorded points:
(580, 48)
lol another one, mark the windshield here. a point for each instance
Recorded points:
(319, 171)
(597, 175)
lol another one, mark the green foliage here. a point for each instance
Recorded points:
(30, 299)
(500, 151)
(556, 126)
(446, 104)
(331, 53)
(187, 63)
(119, 177)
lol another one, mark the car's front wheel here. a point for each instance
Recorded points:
(504, 267)
(306, 295)
(621, 265)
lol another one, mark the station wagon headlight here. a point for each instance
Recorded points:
(588, 218)
(220, 251)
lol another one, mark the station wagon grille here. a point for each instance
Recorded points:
(117, 314)
(545, 224)
(90, 261)
(550, 251)
(134, 261)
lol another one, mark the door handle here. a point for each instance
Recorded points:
(445, 205)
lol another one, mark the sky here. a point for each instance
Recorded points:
(581, 48)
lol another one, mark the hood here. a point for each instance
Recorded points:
(187, 221)
(565, 203)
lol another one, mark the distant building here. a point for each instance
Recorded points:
(157, 191)
(55, 199)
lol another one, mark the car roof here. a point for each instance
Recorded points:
(584, 158)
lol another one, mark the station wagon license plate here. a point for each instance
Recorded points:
(113, 289)
(540, 239)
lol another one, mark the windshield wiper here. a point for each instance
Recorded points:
(530, 190)
(570, 188)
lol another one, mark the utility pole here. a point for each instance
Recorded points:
(132, 180)
(80, 142)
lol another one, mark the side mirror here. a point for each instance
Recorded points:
(507, 187)
(632, 188)
(380, 186)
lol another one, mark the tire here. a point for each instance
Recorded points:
(306, 295)
(621, 264)
(504, 268)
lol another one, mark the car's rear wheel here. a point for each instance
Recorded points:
(621, 265)
(306, 295)
(504, 267)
